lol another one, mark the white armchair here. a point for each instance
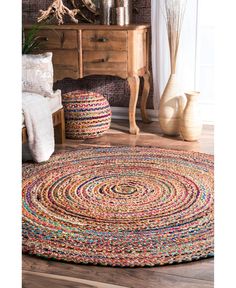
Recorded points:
(42, 107)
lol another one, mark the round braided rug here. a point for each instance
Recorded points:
(119, 206)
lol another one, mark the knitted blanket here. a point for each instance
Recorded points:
(39, 125)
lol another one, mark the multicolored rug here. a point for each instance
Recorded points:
(120, 206)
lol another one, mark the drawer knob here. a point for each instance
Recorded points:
(102, 60)
(102, 39)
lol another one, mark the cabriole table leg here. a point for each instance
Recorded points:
(146, 90)
(134, 83)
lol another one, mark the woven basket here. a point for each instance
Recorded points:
(87, 114)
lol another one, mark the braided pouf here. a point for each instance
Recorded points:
(87, 114)
(120, 206)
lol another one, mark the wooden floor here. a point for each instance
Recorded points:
(39, 273)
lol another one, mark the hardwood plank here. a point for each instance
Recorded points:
(43, 279)
(38, 280)
(131, 277)
(202, 270)
(32, 281)
(150, 135)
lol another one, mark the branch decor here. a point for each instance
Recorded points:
(59, 10)
(169, 114)
(174, 11)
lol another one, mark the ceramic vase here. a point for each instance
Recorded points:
(169, 114)
(127, 4)
(190, 121)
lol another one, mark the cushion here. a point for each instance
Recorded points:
(37, 74)
(87, 114)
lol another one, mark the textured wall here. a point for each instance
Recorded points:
(114, 89)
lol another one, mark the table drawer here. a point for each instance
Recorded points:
(104, 40)
(105, 69)
(105, 63)
(58, 39)
(105, 56)
(66, 64)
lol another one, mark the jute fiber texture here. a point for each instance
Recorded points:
(120, 206)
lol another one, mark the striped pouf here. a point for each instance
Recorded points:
(87, 114)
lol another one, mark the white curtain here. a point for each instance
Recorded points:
(186, 64)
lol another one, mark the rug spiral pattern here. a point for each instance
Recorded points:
(120, 206)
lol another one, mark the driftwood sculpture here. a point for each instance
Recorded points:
(73, 3)
(79, 12)
(58, 9)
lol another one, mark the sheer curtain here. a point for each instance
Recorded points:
(186, 64)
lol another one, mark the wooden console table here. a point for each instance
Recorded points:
(82, 50)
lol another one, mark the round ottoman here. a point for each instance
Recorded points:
(87, 114)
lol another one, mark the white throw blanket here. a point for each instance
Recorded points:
(39, 124)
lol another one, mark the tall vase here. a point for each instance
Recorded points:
(106, 11)
(190, 122)
(169, 114)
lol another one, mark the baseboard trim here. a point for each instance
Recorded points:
(122, 113)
